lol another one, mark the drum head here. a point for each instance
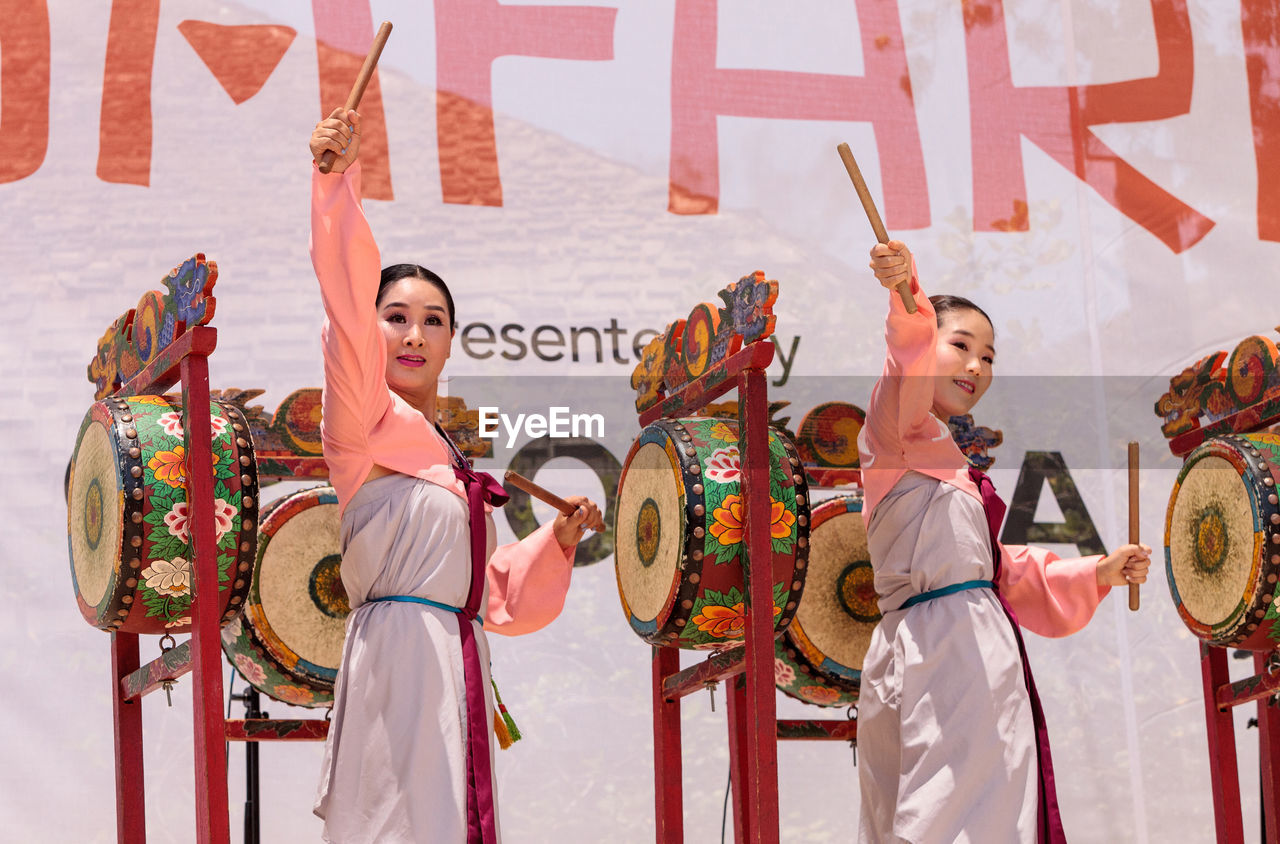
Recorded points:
(650, 529)
(1212, 541)
(1220, 540)
(839, 609)
(95, 511)
(298, 607)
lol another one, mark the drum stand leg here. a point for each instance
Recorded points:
(736, 693)
(668, 769)
(1223, 769)
(131, 815)
(1268, 754)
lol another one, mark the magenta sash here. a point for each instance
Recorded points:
(1048, 818)
(482, 827)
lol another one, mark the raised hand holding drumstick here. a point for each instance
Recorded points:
(902, 285)
(339, 134)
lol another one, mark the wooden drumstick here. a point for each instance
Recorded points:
(877, 226)
(1133, 515)
(521, 482)
(362, 81)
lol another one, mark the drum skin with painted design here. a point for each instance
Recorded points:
(818, 658)
(288, 642)
(679, 530)
(127, 528)
(1222, 541)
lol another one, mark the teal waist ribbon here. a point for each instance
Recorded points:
(946, 590)
(413, 599)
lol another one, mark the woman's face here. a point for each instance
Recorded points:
(414, 319)
(965, 353)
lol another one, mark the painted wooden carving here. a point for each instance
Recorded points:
(287, 441)
(1209, 399)
(690, 348)
(828, 443)
(142, 332)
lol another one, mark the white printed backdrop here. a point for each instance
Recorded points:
(642, 154)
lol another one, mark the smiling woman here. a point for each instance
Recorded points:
(408, 756)
(948, 591)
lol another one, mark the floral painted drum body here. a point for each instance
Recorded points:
(818, 658)
(288, 642)
(679, 533)
(127, 514)
(1222, 541)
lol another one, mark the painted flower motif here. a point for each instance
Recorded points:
(169, 466)
(783, 674)
(724, 622)
(728, 525)
(724, 466)
(250, 670)
(721, 431)
(223, 514)
(158, 401)
(780, 520)
(172, 424)
(176, 519)
(721, 622)
(819, 694)
(296, 695)
(178, 622)
(171, 577)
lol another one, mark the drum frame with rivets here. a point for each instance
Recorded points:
(1252, 623)
(257, 639)
(678, 607)
(114, 610)
(836, 684)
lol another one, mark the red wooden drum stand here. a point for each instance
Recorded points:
(698, 360)
(1223, 576)
(148, 350)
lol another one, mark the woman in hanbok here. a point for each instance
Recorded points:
(409, 755)
(952, 743)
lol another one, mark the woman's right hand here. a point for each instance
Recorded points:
(892, 263)
(340, 135)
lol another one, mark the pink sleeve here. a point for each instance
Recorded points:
(1051, 596)
(899, 410)
(348, 267)
(528, 581)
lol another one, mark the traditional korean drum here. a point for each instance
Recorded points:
(288, 642)
(1222, 541)
(819, 656)
(127, 514)
(679, 533)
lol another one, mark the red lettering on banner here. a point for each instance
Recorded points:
(344, 32)
(470, 34)
(700, 92)
(24, 87)
(1261, 28)
(241, 58)
(1058, 119)
(124, 126)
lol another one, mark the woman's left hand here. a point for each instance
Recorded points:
(569, 529)
(1127, 564)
